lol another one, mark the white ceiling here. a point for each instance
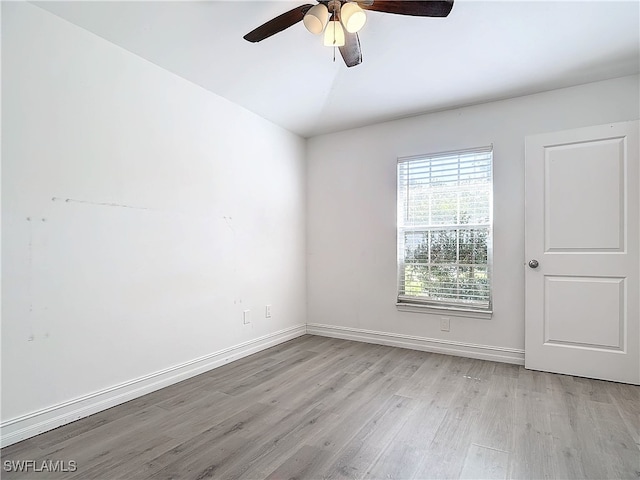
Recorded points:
(483, 51)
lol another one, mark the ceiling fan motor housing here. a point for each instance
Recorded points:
(334, 6)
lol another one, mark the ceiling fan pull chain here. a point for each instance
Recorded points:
(334, 39)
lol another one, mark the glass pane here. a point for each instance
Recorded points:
(444, 207)
(474, 206)
(418, 209)
(414, 280)
(473, 246)
(473, 284)
(442, 282)
(444, 246)
(416, 247)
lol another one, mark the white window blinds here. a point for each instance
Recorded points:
(444, 229)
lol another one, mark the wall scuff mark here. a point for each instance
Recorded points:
(101, 204)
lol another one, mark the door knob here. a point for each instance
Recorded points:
(533, 263)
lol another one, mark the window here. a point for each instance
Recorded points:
(445, 230)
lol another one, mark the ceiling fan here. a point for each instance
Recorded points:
(340, 20)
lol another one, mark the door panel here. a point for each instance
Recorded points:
(570, 171)
(582, 217)
(574, 307)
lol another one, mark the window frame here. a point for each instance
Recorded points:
(417, 304)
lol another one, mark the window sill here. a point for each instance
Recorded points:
(449, 311)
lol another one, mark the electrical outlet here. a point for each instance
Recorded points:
(246, 317)
(445, 324)
(267, 311)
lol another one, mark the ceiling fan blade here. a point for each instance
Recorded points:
(351, 53)
(428, 8)
(278, 24)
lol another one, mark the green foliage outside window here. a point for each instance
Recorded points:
(446, 264)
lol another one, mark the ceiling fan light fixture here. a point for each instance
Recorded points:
(334, 34)
(316, 19)
(353, 17)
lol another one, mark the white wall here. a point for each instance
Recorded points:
(351, 209)
(185, 209)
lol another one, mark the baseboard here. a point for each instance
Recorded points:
(435, 345)
(26, 426)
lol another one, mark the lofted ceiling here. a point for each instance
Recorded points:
(484, 50)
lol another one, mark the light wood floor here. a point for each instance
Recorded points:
(317, 407)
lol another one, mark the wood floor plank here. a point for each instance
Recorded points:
(626, 398)
(531, 440)
(485, 463)
(318, 407)
(407, 365)
(194, 456)
(319, 390)
(203, 461)
(498, 411)
(269, 373)
(447, 451)
(31, 445)
(618, 449)
(364, 449)
(367, 358)
(302, 463)
(567, 456)
(129, 455)
(507, 370)
(433, 379)
(266, 452)
(370, 388)
(403, 456)
(91, 443)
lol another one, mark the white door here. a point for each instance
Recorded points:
(582, 263)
